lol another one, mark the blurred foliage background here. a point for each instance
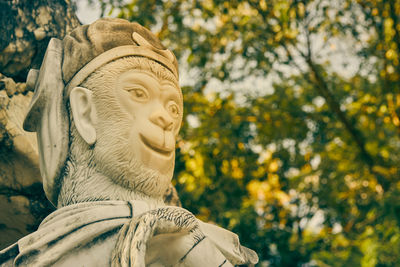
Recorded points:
(291, 132)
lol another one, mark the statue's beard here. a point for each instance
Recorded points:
(109, 170)
(115, 158)
(116, 161)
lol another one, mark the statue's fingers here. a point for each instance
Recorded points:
(143, 233)
(174, 219)
(116, 253)
(126, 244)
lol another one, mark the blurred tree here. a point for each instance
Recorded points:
(306, 173)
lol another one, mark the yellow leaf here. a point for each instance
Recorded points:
(273, 166)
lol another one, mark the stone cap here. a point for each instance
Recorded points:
(87, 42)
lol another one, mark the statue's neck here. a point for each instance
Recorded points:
(83, 184)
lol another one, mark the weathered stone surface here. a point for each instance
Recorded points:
(15, 218)
(9, 85)
(26, 27)
(19, 150)
(20, 180)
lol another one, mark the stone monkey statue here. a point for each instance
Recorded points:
(107, 109)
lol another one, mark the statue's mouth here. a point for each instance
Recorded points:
(159, 149)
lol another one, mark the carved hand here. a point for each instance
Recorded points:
(134, 236)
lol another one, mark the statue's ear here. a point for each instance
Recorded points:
(83, 113)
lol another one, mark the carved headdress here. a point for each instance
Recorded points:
(67, 64)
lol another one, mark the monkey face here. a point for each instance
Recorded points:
(139, 117)
(155, 110)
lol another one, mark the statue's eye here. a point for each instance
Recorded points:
(138, 94)
(173, 109)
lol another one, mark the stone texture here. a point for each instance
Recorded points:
(15, 218)
(22, 201)
(26, 27)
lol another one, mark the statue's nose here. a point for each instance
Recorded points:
(161, 118)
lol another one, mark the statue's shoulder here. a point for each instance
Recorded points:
(8, 255)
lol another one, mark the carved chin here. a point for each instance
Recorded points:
(120, 154)
(156, 155)
(120, 164)
(157, 148)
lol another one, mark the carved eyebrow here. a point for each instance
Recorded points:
(159, 79)
(145, 72)
(172, 93)
(177, 88)
(154, 81)
(140, 80)
(172, 90)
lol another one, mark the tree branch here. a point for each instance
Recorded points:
(322, 88)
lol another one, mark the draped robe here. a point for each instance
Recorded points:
(85, 234)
